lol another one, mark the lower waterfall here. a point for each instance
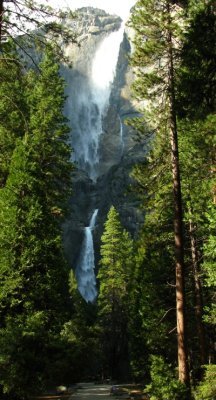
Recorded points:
(121, 136)
(85, 275)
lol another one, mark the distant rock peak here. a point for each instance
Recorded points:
(95, 11)
(95, 21)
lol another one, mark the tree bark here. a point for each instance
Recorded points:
(178, 220)
(198, 295)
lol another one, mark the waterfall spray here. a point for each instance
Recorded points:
(102, 76)
(92, 103)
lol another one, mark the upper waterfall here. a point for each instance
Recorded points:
(92, 75)
(104, 63)
(102, 75)
(98, 103)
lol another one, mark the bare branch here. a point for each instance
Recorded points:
(24, 51)
(172, 330)
(167, 312)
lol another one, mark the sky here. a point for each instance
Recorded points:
(119, 7)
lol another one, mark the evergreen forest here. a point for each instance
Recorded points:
(153, 322)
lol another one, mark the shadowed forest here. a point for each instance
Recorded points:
(153, 320)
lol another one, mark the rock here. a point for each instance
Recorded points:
(61, 389)
(118, 149)
(119, 391)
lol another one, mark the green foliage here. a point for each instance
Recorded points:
(209, 266)
(152, 22)
(83, 358)
(196, 142)
(12, 108)
(196, 110)
(193, 59)
(206, 390)
(152, 297)
(116, 258)
(196, 76)
(113, 276)
(210, 249)
(48, 125)
(34, 25)
(33, 270)
(164, 383)
(152, 315)
(27, 343)
(158, 27)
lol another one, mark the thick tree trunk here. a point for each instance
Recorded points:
(198, 295)
(178, 220)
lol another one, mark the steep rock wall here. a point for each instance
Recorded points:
(117, 150)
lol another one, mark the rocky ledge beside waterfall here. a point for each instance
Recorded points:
(98, 102)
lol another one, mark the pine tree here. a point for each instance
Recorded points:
(196, 75)
(196, 112)
(152, 303)
(83, 352)
(12, 108)
(50, 133)
(33, 300)
(210, 263)
(156, 26)
(113, 276)
(196, 144)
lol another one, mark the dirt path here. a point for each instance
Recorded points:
(88, 391)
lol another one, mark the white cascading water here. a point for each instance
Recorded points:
(121, 136)
(94, 106)
(85, 275)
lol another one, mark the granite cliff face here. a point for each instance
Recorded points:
(99, 100)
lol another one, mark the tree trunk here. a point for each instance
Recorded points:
(198, 295)
(178, 220)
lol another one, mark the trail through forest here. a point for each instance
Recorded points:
(90, 391)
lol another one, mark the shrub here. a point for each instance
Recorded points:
(206, 390)
(164, 383)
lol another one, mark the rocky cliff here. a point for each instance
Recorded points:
(104, 146)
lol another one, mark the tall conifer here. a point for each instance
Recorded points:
(113, 276)
(156, 24)
(33, 271)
